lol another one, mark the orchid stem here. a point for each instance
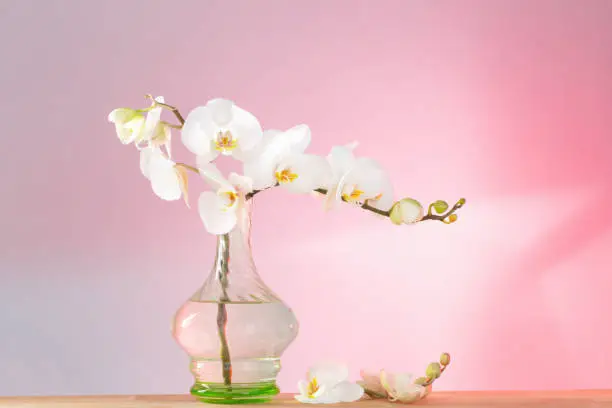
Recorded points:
(171, 108)
(444, 216)
(172, 125)
(223, 272)
(431, 380)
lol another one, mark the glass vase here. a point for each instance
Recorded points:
(234, 328)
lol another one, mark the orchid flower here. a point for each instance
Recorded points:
(218, 210)
(400, 387)
(132, 126)
(395, 387)
(220, 127)
(129, 124)
(302, 173)
(357, 180)
(262, 163)
(328, 384)
(169, 181)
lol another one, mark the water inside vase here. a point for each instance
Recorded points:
(257, 334)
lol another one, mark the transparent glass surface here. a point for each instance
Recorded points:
(234, 328)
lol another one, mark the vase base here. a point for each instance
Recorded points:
(235, 393)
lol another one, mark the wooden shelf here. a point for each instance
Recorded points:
(460, 399)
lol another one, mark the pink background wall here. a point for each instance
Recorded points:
(508, 103)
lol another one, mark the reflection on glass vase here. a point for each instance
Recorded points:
(234, 327)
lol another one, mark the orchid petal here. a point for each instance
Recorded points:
(302, 173)
(254, 153)
(212, 175)
(152, 120)
(198, 131)
(275, 145)
(245, 128)
(373, 183)
(346, 392)
(145, 160)
(412, 393)
(206, 157)
(383, 193)
(131, 130)
(371, 382)
(329, 374)
(297, 138)
(221, 110)
(242, 183)
(217, 220)
(385, 382)
(303, 387)
(181, 173)
(324, 399)
(341, 159)
(400, 387)
(261, 170)
(124, 134)
(400, 381)
(321, 396)
(121, 115)
(164, 179)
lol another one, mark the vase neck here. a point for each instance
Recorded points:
(234, 248)
(234, 277)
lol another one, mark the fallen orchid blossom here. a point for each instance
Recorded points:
(400, 387)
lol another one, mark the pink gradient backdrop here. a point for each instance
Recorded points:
(508, 103)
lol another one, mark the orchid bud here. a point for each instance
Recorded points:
(421, 380)
(433, 370)
(129, 124)
(451, 218)
(445, 359)
(406, 211)
(440, 206)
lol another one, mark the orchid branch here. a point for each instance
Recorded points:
(171, 108)
(447, 217)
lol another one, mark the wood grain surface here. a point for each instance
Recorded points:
(461, 399)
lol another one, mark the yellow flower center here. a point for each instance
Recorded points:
(225, 142)
(231, 198)
(285, 176)
(353, 196)
(313, 386)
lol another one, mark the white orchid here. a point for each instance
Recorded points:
(395, 387)
(220, 127)
(400, 387)
(129, 124)
(328, 384)
(271, 158)
(132, 126)
(261, 164)
(302, 173)
(357, 180)
(169, 181)
(219, 209)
